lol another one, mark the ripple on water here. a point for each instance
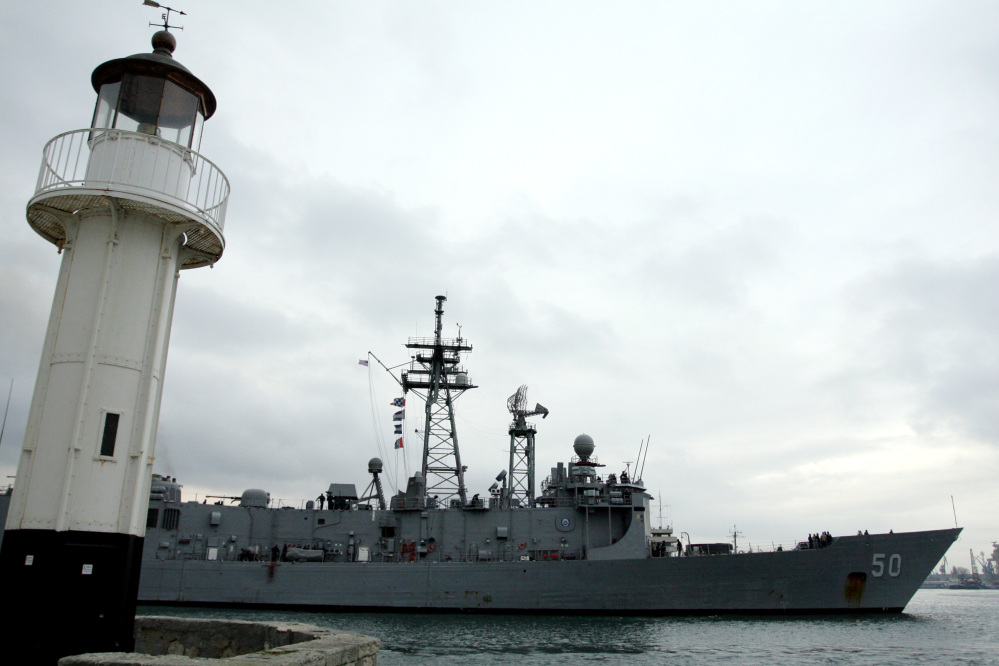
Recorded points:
(938, 627)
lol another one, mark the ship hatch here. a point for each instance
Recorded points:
(855, 584)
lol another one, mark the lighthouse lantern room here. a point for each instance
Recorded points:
(153, 94)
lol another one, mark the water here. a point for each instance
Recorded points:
(938, 627)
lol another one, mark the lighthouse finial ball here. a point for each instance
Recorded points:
(164, 42)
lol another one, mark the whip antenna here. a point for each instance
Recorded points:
(6, 409)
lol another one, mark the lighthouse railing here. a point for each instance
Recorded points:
(133, 162)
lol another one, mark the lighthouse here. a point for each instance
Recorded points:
(129, 202)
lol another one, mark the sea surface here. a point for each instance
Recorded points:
(937, 627)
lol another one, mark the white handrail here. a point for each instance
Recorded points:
(106, 159)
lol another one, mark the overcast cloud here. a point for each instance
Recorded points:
(764, 234)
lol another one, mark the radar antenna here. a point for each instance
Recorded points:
(166, 17)
(374, 489)
(521, 490)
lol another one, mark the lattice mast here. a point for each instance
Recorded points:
(436, 368)
(521, 471)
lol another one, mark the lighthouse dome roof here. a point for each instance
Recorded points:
(160, 64)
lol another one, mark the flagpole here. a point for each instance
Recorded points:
(388, 369)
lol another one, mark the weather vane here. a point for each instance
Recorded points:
(166, 17)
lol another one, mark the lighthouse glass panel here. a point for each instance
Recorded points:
(139, 105)
(177, 114)
(158, 107)
(199, 123)
(106, 103)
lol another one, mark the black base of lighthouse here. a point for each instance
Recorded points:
(69, 592)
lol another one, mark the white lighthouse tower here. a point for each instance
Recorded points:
(128, 202)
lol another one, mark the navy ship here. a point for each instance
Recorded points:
(580, 542)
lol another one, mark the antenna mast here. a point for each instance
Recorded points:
(437, 370)
(521, 472)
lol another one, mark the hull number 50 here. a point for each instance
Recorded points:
(894, 565)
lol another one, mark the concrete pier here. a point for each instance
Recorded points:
(173, 641)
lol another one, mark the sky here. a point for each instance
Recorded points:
(761, 235)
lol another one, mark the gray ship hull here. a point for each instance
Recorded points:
(876, 573)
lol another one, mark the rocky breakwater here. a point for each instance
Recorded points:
(173, 641)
